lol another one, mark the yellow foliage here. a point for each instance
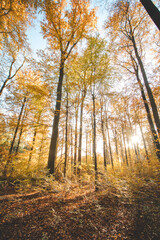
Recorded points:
(14, 18)
(66, 23)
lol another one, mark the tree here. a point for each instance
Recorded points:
(149, 116)
(98, 69)
(128, 28)
(66, 133)
(65, 24)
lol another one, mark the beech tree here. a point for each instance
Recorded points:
(98, 62)
(128, 29)
(65, 24)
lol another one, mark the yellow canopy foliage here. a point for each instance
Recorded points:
(66, 22)
(14, 18)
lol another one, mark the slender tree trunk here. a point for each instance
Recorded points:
(144, 142)
(32, 148)
(80, 131)
(19, 140)
(109, 143)
(86, 147)
(14, 136)
(136, 152)
(66, 139)
(54, 137)
(121, 146)
(124, 142)
(63, 133)
(91, 141)
(153, 11)
(40, 150)
(34, 138)
(71, 149)
(149, 117)
(134, 145)
(21, 131)
(149, 91)
(16, 130)
(104, 137)
(116, 142)
(128, 147)
(75, 144)
(94, 141)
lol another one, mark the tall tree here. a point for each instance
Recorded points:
(99, 68)
(66, 134)
(65, 24)
(128, 28)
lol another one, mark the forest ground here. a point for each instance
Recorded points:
(119, 210)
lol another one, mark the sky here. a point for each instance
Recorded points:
(35, 37)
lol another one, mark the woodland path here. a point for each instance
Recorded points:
(117, 212)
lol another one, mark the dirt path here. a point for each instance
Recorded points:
(109, 214)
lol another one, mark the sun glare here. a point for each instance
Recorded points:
(136, 139)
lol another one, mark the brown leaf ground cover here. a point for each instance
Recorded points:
(81, 213)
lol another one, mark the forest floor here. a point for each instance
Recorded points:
(116, 211)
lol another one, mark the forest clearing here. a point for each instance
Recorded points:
(79, 119)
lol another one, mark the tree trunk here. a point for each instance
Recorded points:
(116, 142)
(152, 11)
(149, 117)
(124, 142)
(150, 95)
(32, 148)
(71, 149)
(134, 145)
(34, 139)
(128, 147)
(94, 140)
(104, 137)
(21, 131)
(86, 147)
(62, 144)
(66, 139)
(121, 146)
(19, 140)
(54, 137)
(16, 130)
(109, 143)
(144, 142)
(14, 136)
(75, 144)
(80, 131)
(40, 150)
